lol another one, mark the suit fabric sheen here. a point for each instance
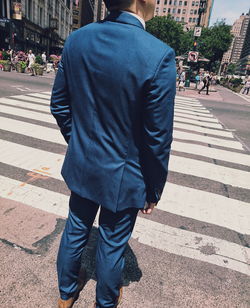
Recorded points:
(113, 99)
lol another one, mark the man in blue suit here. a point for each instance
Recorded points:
(113, 99)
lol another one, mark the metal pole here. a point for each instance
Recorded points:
(8, 8)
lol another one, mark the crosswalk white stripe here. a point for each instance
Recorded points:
(207, 115)
(39, 95)
(30, 105)
(195, 149)
(198, 122)
(32, 130)
(30, 99)
(52, 135)
(195, 117)
(201, 112)
(169, 239)
(189, 99)
(48, 93)
(207, 207)
(27, 114)
(203, 130)
(208, 140)
(225, 175)
(29, 158)
(195, 108)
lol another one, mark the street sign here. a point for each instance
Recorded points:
(197, 31)
(193, 56)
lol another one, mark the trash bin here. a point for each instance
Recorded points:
(187, 83)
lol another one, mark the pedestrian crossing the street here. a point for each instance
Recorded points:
(208, 184)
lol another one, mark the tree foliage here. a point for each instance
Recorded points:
(212, 43)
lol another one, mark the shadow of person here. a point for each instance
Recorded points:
(131, 271)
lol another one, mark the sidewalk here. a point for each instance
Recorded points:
(218, 93)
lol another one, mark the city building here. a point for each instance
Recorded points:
(185, 12)
(40, 25)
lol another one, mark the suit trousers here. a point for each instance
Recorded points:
(114, 232)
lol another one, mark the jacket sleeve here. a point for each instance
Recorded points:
(60, 100)
(158, 113)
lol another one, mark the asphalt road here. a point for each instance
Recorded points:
(192, 252)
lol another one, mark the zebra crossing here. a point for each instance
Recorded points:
(203, 151)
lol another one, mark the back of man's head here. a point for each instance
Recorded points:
(118, 4)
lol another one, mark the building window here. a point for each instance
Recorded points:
(184, 11)
(195, 12)
(193, 3)
(182, 19)
(175, 2)
(169, 10)
(165, 2)
(157, 10)
(194, 19)
(174, 11)
(197, 3)
(180, 2)
(191, 12)
(179, 11)
(164, 10)
(190, 19)
(185, 3)
(177, 18)
(158, 2)
(170, 2)
(40, 16)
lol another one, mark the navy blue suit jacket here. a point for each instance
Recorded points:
(113, 99)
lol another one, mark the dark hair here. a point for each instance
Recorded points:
(117, 4)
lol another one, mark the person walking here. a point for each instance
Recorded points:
(246, 87)
(206, 84)
(31, 60)
(114, 103)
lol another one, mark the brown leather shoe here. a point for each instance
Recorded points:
(70, 302)
(119, 299)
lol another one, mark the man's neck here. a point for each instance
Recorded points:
(138, 15)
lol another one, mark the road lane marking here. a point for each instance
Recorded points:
(202, 112)
(191, 107)
(30, 105)
(29, 98)
(203, 130)
(208, 115)
(31, 130)
(207, 207)
(39, 95)
(196, 117)
(169, 239)
(198, 122)
(195, 149)
(208, 140)
(31, 159)
(12, 110)
(225, 175)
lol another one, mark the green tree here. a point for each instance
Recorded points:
(231, 68)
(214, 41)
(170, 32)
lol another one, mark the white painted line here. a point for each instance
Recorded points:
(225, 175)
(195, 149)
(201, 112)
(39, 95)
(196, 117)
(29, 99)
(207, 115)
(208, 140)
(205, 206)
(30, 105)
(31, 130)
(47, 93)
(27, 114)
(31, 159)
(192, 245)
(172, 240)
(203, 130)
(197, 122)
(191, 107)
(189, 99)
